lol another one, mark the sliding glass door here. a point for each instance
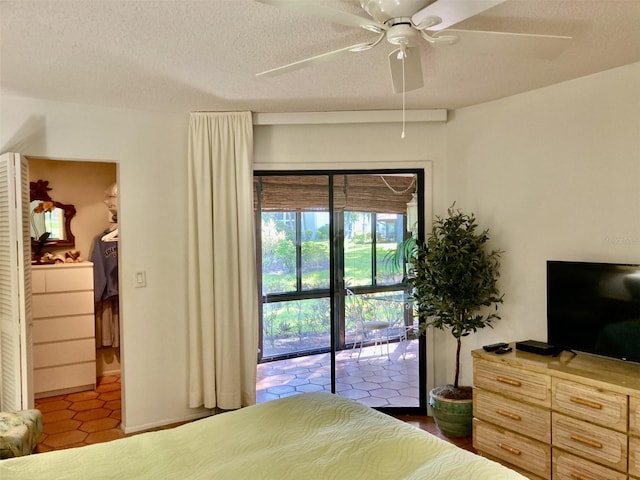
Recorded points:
(335, 313)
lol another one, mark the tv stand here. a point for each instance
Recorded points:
(558, 417)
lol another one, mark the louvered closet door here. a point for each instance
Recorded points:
(15, 285)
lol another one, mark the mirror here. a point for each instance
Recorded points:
(48, 216)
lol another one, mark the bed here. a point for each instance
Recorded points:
(310, 436)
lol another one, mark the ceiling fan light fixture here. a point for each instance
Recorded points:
(402, 34)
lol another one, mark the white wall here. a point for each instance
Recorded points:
(554, 174)
(150, 150)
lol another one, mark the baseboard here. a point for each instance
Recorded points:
(166, 423)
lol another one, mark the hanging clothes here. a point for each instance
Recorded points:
(104, 256)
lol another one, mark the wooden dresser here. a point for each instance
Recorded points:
(64, 347)
(561, 418)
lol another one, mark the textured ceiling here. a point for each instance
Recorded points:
(188, 55)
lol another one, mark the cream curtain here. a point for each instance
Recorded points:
(222, 282)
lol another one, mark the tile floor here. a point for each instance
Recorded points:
(81, 418)
(375, 379)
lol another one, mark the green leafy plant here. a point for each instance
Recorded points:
(454, 278)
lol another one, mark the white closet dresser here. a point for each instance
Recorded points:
(64, 347)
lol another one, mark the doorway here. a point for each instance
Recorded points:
(89, 188)
(335, 312)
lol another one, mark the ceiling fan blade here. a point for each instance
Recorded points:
(323, 57)
(412, 69)
(507, 43)
(452, 11)
(331, 14)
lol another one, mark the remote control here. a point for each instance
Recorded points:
(503, 350)
(494, 346)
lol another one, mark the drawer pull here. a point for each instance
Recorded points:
(586, 441)
(579, 476)
(586, 403)
(509, 449)
(508, 381)
(510, 415)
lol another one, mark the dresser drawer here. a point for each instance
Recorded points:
(590, 441)
(38, 281)
(525, 453)
(517, 383)
(570, 467)
(529, 420)
(69, 279)
(590, 403)
(634, 456)
(63, 277)
(63, 328)
(64, 353)
(59, 304)
(54, 379)
(634, 415)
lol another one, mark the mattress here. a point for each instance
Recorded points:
(310, 436)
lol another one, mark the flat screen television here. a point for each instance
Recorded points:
(594, 308)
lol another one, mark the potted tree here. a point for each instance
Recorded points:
(454, 281)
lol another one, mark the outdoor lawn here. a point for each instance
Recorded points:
(300, 325)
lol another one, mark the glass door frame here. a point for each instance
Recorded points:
(337, 287)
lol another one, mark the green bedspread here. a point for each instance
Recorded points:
(311, 436)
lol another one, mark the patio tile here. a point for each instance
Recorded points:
(368, 386)
(270, 371)
(283, 378)
(341, 387)
(281, 389)
(374, 402)
(291, 394)
(384, 393)
(394, 385)
(297, 371)
(411, 392)
(296, 382)
(310, 388)
(320, 381)
(403, 377)
(355, 394)
(263, 396)
(374, 380)
(371, 368)
(378, 378)
(351, 380)
(402, 401)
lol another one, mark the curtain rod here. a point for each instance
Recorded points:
(344, 117)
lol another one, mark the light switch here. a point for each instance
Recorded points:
(141, 279)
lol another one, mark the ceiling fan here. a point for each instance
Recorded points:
(404, 23)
